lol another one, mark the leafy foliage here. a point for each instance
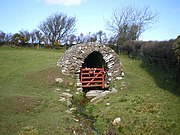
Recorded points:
(176, 47)
(164, 53)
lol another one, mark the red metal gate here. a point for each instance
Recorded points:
(92, 77)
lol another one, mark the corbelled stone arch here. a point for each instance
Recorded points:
(75, 57)
(94, 60)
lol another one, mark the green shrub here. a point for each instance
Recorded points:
(132, 48)
(176, 48)
(159, 52)
(165, 53)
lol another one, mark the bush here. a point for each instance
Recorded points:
(163, 53)
(159, 52)
(176, 48)
(132, 48)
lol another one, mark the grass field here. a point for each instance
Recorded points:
(147, 101)
(27, 97)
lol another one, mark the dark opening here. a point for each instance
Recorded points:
(94, 60)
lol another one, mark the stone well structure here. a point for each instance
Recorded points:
(91, 55)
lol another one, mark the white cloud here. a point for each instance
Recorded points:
(64, 2)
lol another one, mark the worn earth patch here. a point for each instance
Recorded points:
(23, 104)
(46, 77)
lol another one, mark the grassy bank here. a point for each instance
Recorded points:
(147, 100)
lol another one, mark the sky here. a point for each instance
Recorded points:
(16, 15)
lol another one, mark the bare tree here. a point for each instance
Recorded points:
(80, 39)
(57, 26)
(8, 38)
(130, 22)
(39, 36)
(33, 37)
(101, 37)
(2, 36)
(92, 37)
(25, 36)
(72, 39)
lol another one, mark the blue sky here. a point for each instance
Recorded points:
(16, 15)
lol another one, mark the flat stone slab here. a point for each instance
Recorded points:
(93, 93)
(102, 94)
(59, 80)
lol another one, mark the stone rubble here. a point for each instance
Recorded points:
(71, 84)
(59, 80)
(68, 103)
(68, 90)
(113, 90)
(116, 121)
(68, 111)
(57, 90)
(93, 93)
(68, 95)
(97, 94)
(101, 95)
(72, 109)
(62, 99)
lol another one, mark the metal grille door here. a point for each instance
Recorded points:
(92, 77)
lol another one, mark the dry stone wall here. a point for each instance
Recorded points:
(71, 62)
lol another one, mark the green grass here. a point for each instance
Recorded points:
(147, 101)
(27, 97)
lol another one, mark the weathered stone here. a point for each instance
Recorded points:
(122, 74)
(77, 93)
(100, 95)
(76, 120)
(74, 57)
(93, 93)
(113, 90)
(68, 103)
(71, 84)
(116, 121)
(68, 111)
(119, 78)
(79, 84)
(68, 95)
(57, 90)
(68, 90)
(105, 92)
(59, 80)
(79, 89)
(62, 99)
(72, 109)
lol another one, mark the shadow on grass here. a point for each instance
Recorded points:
(165, 78)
